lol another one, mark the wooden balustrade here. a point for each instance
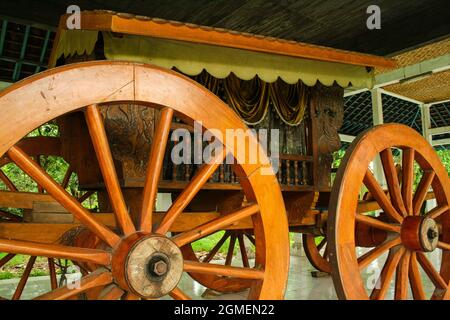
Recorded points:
(293, 170)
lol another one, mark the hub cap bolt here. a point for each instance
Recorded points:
(160, 268)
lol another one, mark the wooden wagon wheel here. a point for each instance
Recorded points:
(317, 253)
(216, 282)
(142, 261)
(405, 235)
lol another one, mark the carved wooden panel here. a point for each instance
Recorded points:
(130, 130)
(327, 115)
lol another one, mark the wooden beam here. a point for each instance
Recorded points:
(426, 122)
(396, 95)
(439, 130)
(441, 142)
(377, 117)
(434, 65)
(52, 232)
(22, 200)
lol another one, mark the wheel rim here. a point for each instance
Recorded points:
(401, 217)
(108, 82)
(317, 254)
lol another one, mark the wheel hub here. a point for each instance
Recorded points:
(420, 234)
(147, 265)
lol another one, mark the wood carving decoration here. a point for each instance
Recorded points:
(327, 108)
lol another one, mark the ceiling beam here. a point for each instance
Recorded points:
(439, 130)
(441, 142)
(435, 65)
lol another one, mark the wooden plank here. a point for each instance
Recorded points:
(52, 232)
(23, 200)
(107, 21)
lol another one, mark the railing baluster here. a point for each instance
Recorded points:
(295, 172)
(288, 172)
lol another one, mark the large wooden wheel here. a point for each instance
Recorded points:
(142, 261)
(403, 241)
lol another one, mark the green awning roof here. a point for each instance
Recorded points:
(192, 58)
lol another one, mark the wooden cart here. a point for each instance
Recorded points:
(115, 130)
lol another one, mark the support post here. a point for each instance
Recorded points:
(377, 113)
(426, 132)
(426, 122)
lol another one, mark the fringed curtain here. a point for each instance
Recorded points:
(208, 81)
(250, 99)
(289, 100)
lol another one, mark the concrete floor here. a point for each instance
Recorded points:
(301, 285)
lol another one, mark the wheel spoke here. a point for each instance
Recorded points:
(250, 238)
(23, 280)
(216, 248)
(228, 271)
(189, 192)
(386, 275)
(244, 256)
(85, 196)
(61, 195)
(154, 167)
(7, 181)
(431, 272)
(230, 252)
(401, 278)
(325, 253)
(422, 190)
(415, 279)
(321, 244)
(100, 141)
(95, 279)
(214, 225)
(371, 255)
(66, 179)
(6, 259)
(408, 178)
(52, 271)
(178, 294)
(379, 195)
(377, 223)
(111, 292)
(443, 245)
(37, 159)
(96, 256)
(392, 180)
(436, 212)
